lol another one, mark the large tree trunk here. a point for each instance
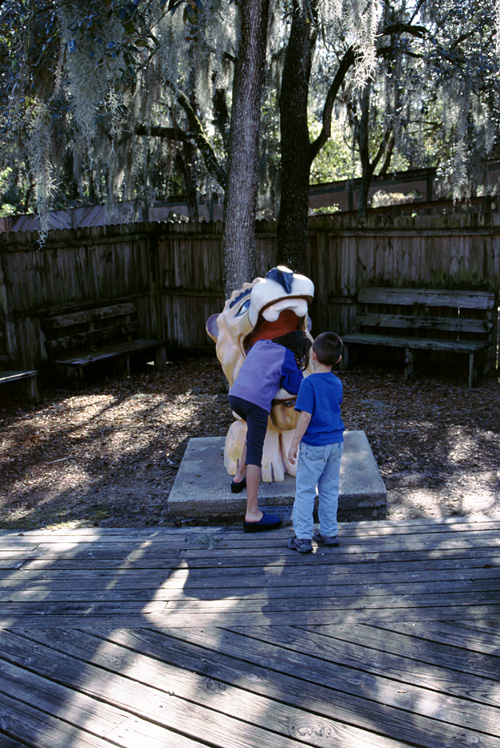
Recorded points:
(295, 144)
(242, 186)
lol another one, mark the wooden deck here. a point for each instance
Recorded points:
(209, 637)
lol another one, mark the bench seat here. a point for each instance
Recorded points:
(447, 321)
(31, 377)
(429, 344)
(114, 351)
(81, 337)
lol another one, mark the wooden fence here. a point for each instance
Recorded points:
(174, 270)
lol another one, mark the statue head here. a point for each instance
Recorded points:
(264, 309)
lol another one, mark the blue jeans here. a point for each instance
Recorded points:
(317, 466)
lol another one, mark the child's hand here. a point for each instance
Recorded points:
(292, 455)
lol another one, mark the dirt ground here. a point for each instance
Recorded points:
(107, 455)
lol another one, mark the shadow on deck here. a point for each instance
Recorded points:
(209, 637)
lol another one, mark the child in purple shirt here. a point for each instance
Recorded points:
(269, 366)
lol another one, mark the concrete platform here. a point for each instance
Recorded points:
(202, 487)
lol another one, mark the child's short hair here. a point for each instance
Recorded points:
(299, 343)
(328, 348)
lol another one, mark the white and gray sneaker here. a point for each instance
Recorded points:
(325, 539)
(301, 545)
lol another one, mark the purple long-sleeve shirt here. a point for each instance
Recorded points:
(267, 367)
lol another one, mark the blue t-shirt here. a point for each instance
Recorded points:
(321, 395)
(267, 367)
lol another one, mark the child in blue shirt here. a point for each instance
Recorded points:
(269, 366)
(320, 433)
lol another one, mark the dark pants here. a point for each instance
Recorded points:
(256, 419)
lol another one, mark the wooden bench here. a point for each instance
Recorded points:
(419, 319)
(77, 339)
(30, 377)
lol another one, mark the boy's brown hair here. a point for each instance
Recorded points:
(328, 348)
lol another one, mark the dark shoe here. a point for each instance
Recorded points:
(300, 545)
(266, 522)
(238, 487)
(325, 539)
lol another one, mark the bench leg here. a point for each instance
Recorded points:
(472, 374)
(409, 367)
(160, 356)
(33, 393)
(72, 374)
(344, 364)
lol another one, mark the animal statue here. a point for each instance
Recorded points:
(264, 309)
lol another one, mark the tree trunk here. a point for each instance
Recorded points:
(186, 165)
(295, 144)
(363, 137)
(364, 153)
(364, 189)
(241, 193)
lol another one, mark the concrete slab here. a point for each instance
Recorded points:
(202, 487)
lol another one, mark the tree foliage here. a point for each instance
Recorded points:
(106, 99)
(390, 66)
(118, 95)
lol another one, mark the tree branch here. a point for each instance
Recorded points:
(381, 149)
(388, 155)
(158, 131)
(346, 63)
(404, 28)
(198, 137)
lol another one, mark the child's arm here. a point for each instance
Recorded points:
(299, 432)
(291, 376)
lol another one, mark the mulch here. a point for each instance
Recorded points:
(108, 454)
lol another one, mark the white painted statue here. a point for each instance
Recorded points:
(262, 310)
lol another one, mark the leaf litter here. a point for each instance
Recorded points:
(108, 454)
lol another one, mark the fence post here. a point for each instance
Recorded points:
(7, 329)
(155, 312)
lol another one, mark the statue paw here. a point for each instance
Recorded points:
(235, 441)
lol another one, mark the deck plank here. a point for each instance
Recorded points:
(208, 637)
(383, 660)
(358, 696)
(23, 725)
(170, 702)
(167, 705)
(415, 642)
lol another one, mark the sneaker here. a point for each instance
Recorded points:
(325, 539)
(302, 546)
